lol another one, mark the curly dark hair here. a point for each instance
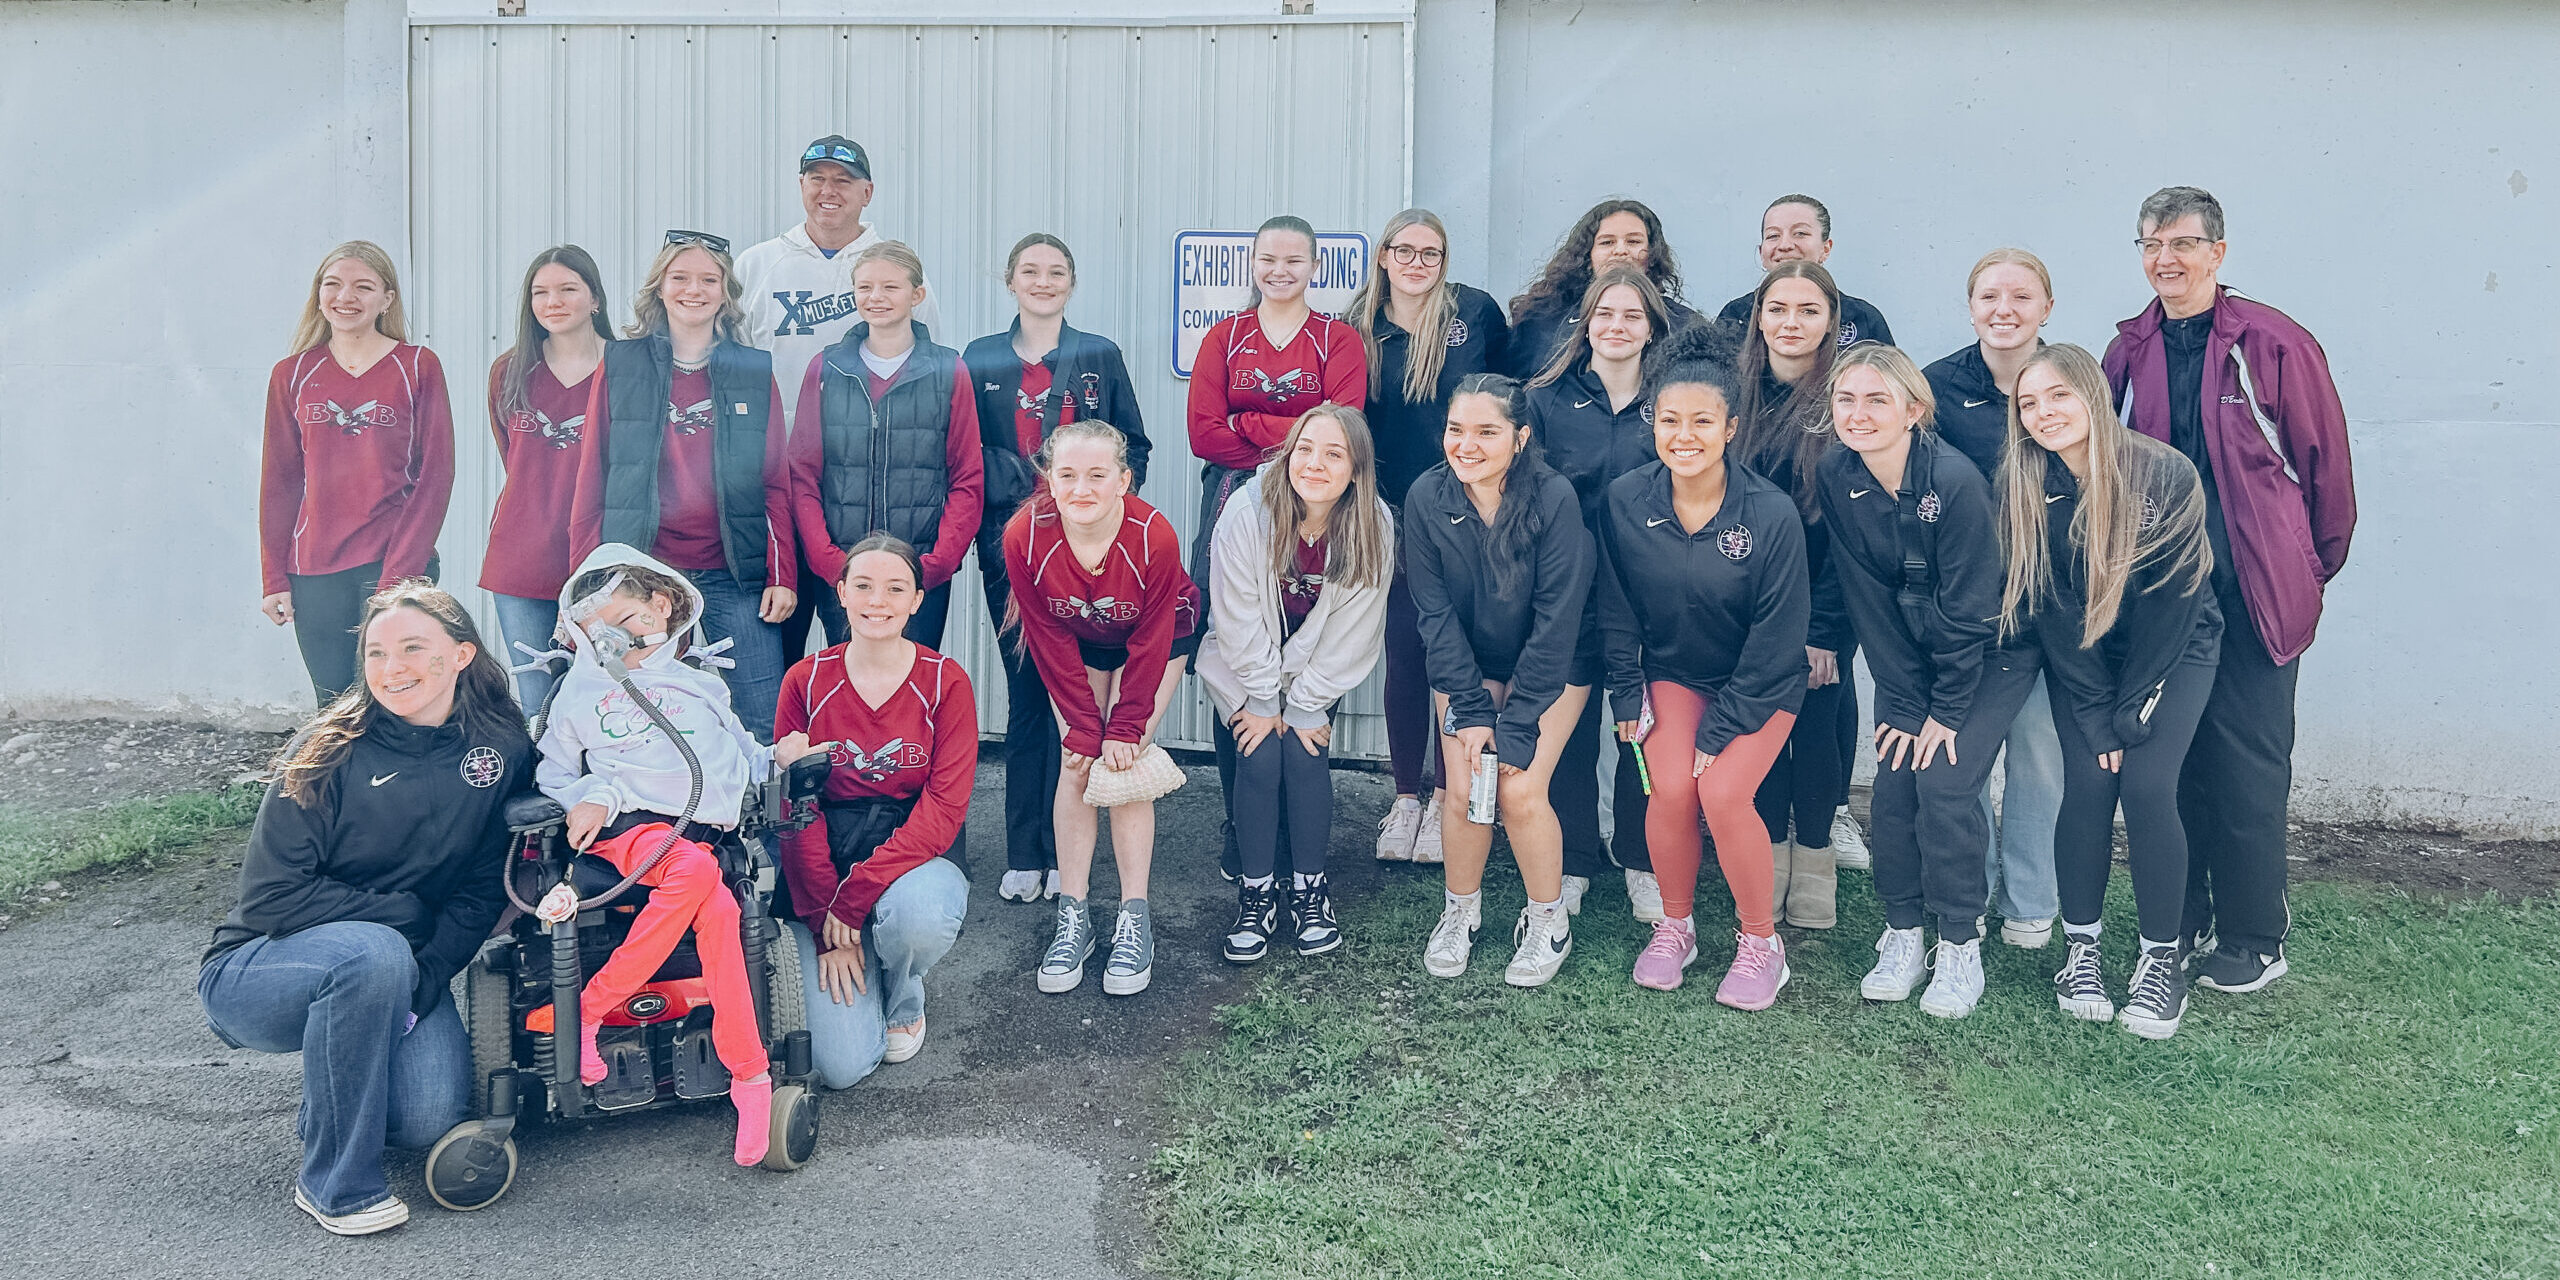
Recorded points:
(1567, 275)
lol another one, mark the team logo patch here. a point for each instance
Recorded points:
(1929, 506)
(1303, 584)
(1848, 333)
(1457, 336)
(372, 413)
(877, 765)
(560, 435)
(481, 767)
(1735, 543)
(1098, 609)
(2150, 511)
(1296, 382)
(693, 419)
(1092, 395)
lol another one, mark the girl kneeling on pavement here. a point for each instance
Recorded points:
(2107, 551)
(876, 881)
(1500, 564)
(1104, 607)
(371, 877)
(1297, 618)
(1703, 608)
(1920, 563)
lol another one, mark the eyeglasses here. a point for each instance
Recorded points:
(1409, 255)
(2181, 246)
(702, 238)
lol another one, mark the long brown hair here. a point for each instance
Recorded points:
(1427, 347)
(513, 394)
(1356, 537)
(1793, 432)
(1576, 348)
(483, 700)
(313, 328)
(2134, 509)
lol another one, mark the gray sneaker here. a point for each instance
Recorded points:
(1133, 951)
(1062, 970)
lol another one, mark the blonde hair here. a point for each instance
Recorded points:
(312, 329)
(649, 311)
(2116, 526)
(1427, 349)
(1899, 371)
(2010, 257)
(1356, 537)
(897, 253)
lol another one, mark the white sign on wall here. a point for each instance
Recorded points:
(1213, 279)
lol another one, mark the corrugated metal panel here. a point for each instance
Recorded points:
(1114, 138)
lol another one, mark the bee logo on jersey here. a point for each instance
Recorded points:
(1928, 509)
(561, 434)
(879, 764)
(1098, 609)
(1303, 584)
(1735, 543)
(372, 413)
(1025, 402)
(1296, 382)
(481, 767)
(693, 419)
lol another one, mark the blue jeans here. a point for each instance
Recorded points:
(2021, 852)
(912, 927)
(730, 612)
(339, 993)
(529, 622)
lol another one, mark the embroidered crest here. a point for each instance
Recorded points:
(1735, 543)
(2150, 511)
(1848, 334)
(1092, 395)
(1457, 332)
(481, 767)
(1928, 506)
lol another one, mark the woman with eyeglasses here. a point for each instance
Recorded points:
(685, 458)
(1424, 333)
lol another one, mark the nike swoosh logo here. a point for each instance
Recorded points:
(1657, 520)
(1860, 493)
(1584, 404)
(386, 777)
(992, 387)
(1457, 519)
(2052, 498)
(1970, 404)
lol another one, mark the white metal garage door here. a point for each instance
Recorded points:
(597, 124)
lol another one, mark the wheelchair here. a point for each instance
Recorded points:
(520, 998)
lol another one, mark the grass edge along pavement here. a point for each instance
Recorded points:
(2393, 1108)
(36, 847)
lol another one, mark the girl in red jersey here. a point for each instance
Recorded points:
(1105, 610)
(876, 881)
(538, 413)
(358, 463)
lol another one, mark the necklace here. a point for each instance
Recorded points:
(694, 366)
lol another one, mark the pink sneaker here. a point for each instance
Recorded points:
(1759, 971)
(1674, 946)
(754, 1100)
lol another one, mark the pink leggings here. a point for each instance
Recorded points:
(1723, 794)
(685, 892)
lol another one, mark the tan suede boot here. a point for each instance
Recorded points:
(1782, 859)
(1814, 894)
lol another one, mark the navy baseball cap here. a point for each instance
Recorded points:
(837, 150)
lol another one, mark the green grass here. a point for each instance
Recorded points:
(2392, 1109)
(37, 847)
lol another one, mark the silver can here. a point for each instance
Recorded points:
(1484, 791)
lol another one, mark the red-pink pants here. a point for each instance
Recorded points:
(1723, 794)
(685, 892)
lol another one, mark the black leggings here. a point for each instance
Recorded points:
(1575, 793)
(1281, 791)
(2084, 836)
(1408, 690)
(1929, 829)
(1810, 777)
(326, 609)
(1031, 759)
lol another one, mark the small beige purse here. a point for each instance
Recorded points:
(1155, 774)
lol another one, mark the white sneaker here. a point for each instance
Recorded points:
(1958, 984)
(381, 1215)
(1050, 889)
(1398, 830)
(1020, 886)
(2027, 935)
(1574, 888)
(904, 1044)
(1546, 938)
(1426, 841)
(1848, 844)
(1901, 962)
(1644, 893)
(1454, 938)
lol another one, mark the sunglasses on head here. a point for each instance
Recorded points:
(704, 239)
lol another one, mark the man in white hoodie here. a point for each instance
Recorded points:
(797, 287)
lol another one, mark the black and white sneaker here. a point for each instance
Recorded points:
(2158, 997)
(1257, 918)
(2081, 987)
(1545, 938)
(1311, 915)
(2240, 970)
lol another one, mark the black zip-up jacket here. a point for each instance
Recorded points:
(1722, 610)
(1529, 635)
(1859, 319)
(1922, 571)
(2111, 687)
(1087, 367)
(409, 831)
(1972, 415)
(1830, 629)
(1586, 440)
(1407, 432)
(1536, 337)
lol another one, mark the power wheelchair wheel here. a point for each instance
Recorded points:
(469, 1168)
(490, 1020)
(793, 1137)
(789, 1011)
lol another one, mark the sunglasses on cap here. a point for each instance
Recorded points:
(704, 239)
(850, 157)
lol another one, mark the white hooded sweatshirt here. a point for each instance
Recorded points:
(800, 301)
(598, 747)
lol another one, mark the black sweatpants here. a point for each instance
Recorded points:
(1852, 729)
(2156, 833)
(1810, 777)
(1575, 793)
(1031, 744)
(1280, 792)
(1928, 832)
(326, 609)
(2232, 793)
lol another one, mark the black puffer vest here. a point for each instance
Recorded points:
(887, 464)
(637, 375)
